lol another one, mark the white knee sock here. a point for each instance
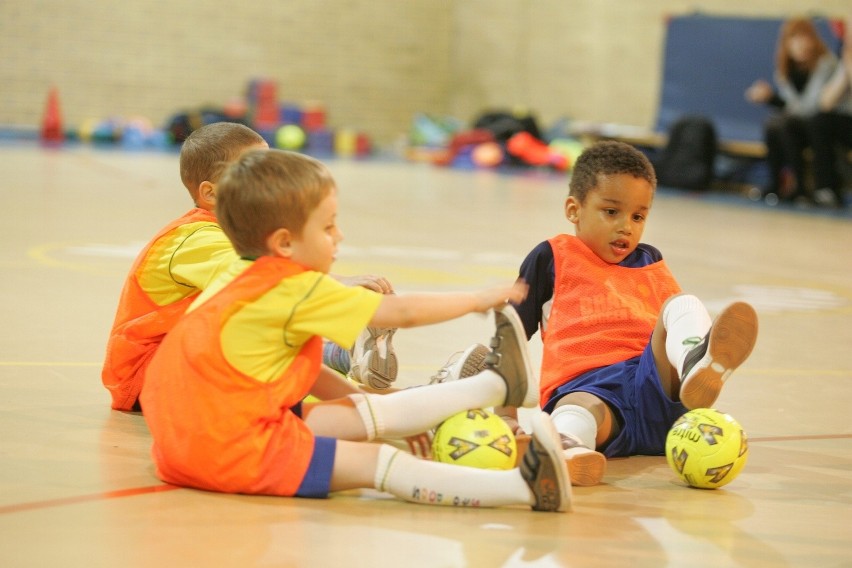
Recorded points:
(412, 411)
(576, 421)
(433, 483)
(687, 322)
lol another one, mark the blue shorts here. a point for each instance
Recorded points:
(317, 479)
(633, 392)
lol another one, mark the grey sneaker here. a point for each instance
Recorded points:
(544, 468)
(463, 364)
(585, 467)
(710, 363)
(509, 358)
(374, 362)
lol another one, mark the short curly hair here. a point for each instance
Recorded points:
(608, 158)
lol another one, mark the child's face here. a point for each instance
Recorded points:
(612, 218)
(316, 247)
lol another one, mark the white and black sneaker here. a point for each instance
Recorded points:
(725, 347)
(462, 364)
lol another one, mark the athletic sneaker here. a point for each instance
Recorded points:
(585, 467)
(709, 364)
(374, 362)
(462, 364)
(509, 358)
(544, 469)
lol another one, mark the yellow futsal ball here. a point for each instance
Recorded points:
(706, 448)
(475, 438)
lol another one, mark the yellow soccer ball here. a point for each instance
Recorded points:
(475, 438)
(706, 448)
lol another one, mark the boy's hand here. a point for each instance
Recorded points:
(497, 297)
(378, 284)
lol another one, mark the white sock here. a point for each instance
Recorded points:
(687, 322)
(576, 421)
(422, 481)
(412, 411)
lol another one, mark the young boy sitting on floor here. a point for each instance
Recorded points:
(248, 351)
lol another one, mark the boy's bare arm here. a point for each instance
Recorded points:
(331, 385)
(412, 310)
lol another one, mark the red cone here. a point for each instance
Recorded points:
(51, 125)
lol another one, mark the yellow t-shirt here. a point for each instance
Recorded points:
(263, 336)
(185, 261)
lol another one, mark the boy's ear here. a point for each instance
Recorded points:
(278, 243)
(572, 208)
(206, 195)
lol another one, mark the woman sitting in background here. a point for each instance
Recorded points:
(832, 127)
(804, 65)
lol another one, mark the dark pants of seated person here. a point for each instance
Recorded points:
(786, 139)
(830, 131)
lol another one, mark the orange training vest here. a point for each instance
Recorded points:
(602, 313)
(216, 428)
(140, 324)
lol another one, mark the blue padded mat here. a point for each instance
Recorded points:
(710, 61)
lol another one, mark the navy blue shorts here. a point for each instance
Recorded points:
(632, 390)
(317, 480)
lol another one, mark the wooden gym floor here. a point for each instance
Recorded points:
(77, 486)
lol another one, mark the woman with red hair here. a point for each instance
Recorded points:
(804, 65)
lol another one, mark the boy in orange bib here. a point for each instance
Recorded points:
(625, 351)
(183, 258)
(247, 352)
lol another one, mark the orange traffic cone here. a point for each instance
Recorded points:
(51, 125)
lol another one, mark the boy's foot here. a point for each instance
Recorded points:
(509, 358)
(585, 467)
(374, 362)
(544, 469)
(463, 364)
(723, 349)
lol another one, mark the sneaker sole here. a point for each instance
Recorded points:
(380, 372)
(731, 341)
(474, 361)
(507, 316)
(556, 497)
(585, 467)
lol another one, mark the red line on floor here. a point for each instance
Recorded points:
(18, 507)
(797, 438)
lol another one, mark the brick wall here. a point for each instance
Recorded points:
(373, 63)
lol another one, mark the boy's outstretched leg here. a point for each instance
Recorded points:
(540, 481)
(708, 365)
(508, 380)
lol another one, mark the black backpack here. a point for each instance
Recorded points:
(687, 160)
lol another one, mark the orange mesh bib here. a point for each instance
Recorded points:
(602, 313)
(140, 324)
(215, 428)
